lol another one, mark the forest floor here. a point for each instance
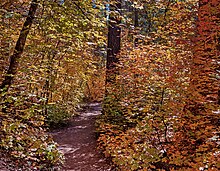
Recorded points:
(78, 142)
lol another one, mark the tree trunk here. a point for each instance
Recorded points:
(135, 26)
(19, 48)
(114, 41)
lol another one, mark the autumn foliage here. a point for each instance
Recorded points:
(161, 84)
(51, 59)
(162, 112)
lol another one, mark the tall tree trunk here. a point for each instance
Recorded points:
(114, 41)
(135, 26)
(19, 48)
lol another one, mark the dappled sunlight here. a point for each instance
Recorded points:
(78, 143)
(67, 149)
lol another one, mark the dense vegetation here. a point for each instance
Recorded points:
(161, 110)
(161, 92)
(44, 81)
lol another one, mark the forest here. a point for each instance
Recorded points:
(153, 65)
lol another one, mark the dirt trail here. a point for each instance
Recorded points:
(78, 143)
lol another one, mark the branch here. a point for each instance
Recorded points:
(82, 10)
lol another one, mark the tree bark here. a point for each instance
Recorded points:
(135, 26)
(114, 41)
(19, 48)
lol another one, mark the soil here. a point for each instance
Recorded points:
(78, 142)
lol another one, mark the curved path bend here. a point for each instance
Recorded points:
(78, 143)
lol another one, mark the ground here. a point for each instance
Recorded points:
(78, 143)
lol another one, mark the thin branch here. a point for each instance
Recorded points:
(82, 10)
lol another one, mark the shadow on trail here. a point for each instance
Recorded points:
(78, 143)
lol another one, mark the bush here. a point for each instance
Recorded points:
(56, 116)
(23, 136)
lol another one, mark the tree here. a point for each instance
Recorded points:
(48, 71)
(15, 57)
(114, 41)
